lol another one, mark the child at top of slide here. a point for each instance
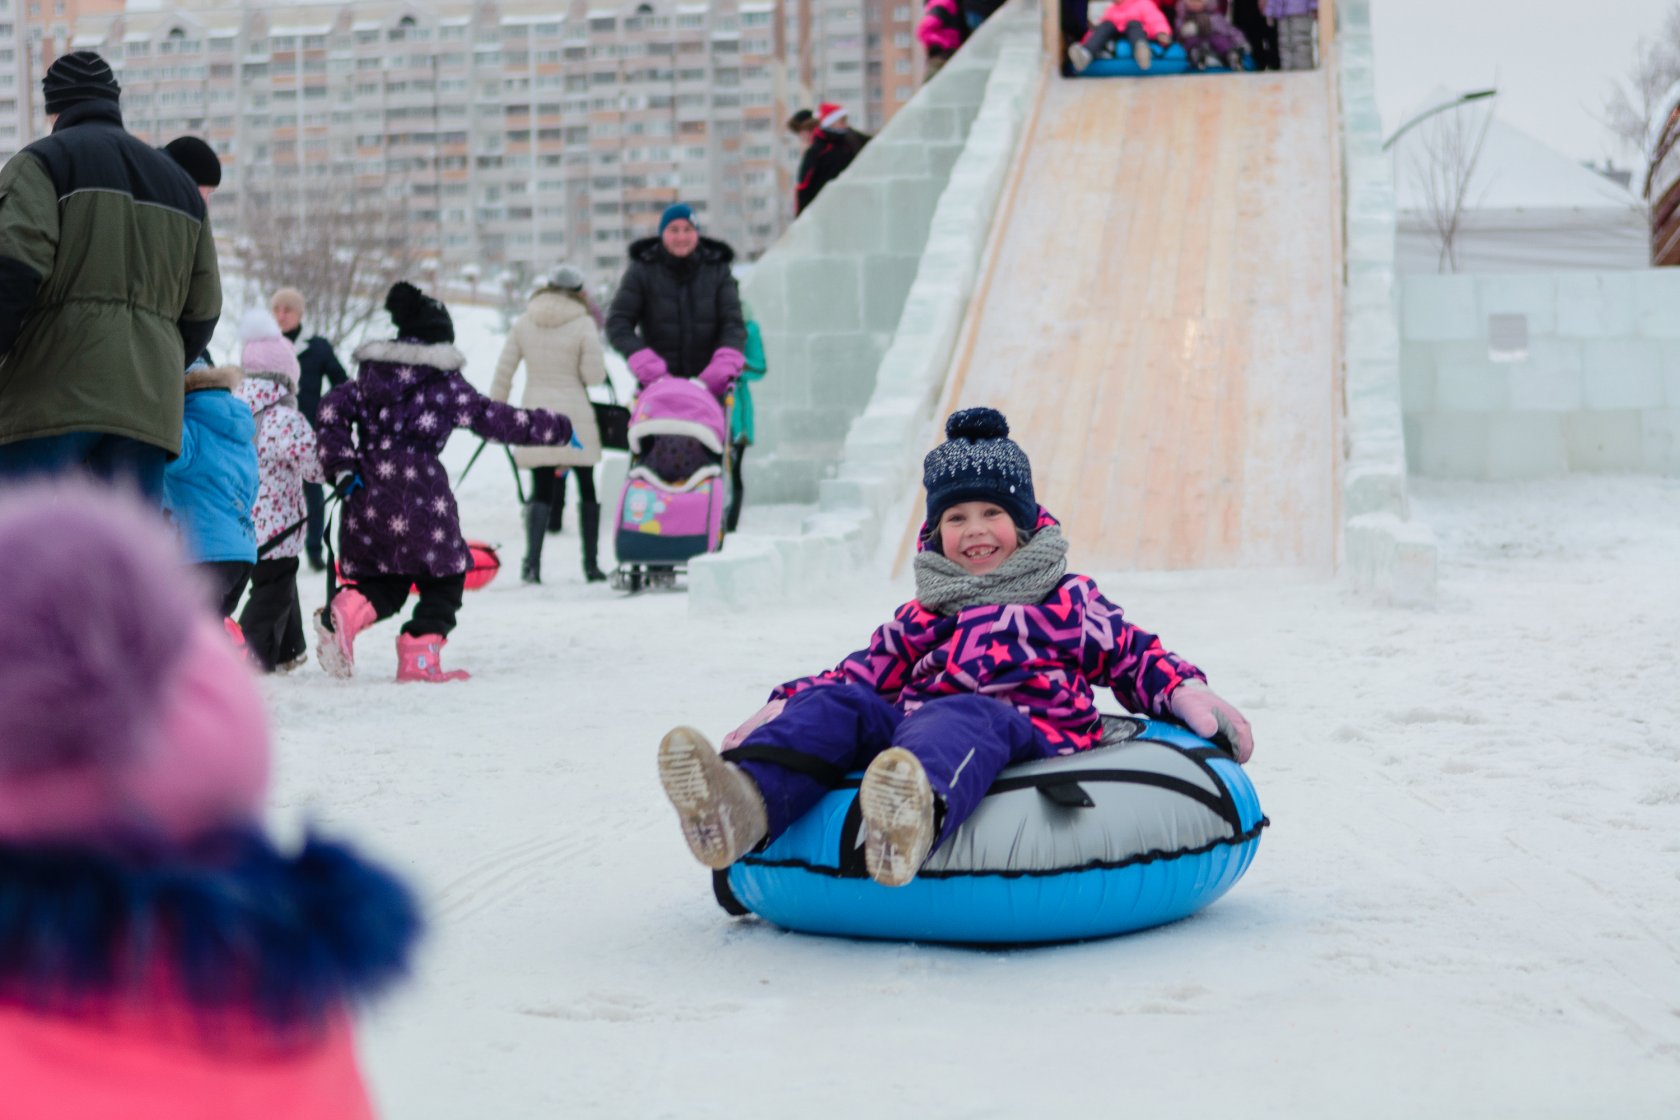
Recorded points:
(1137, 21)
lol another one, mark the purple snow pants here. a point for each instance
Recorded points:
(1211, 30)
(962, 741)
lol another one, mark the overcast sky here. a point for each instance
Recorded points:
(1554, 61)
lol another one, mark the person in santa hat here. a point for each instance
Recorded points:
(834, 146)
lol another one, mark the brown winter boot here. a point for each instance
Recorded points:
(719, 807)
(897, 806)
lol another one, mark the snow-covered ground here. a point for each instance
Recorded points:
(1468, 903)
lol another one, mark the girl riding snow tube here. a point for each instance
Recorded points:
(995, 662)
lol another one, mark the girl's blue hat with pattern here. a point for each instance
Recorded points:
(978, 462)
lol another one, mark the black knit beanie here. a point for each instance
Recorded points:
(197, 158)
(76, 77)
(978, 462)
(417, 315)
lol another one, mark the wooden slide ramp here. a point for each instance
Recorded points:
(1159, 319)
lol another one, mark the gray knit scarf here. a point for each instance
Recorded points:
(1031, 573)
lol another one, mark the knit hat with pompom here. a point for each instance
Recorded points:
(124, 711)
(417, 315)
(978, 462)
(264, 350)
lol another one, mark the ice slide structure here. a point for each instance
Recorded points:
(1178, 289)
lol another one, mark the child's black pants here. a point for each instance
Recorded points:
(272, 619)
(440, 600)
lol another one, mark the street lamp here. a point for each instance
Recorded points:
(1461, 100)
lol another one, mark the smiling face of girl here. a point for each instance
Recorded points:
(979, 536)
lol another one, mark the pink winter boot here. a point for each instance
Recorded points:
(351, 614)
(420, 659)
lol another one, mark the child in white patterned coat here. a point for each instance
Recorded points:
(286, 457)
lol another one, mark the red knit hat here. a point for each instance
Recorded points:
(830, 114)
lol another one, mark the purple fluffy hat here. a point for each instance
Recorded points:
(121, 703)
(96, 617)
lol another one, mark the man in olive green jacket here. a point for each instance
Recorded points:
(108, 281)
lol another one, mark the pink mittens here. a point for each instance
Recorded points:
(648, 367)
(1212, 717)
(720, 373)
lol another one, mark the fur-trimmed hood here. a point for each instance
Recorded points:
(553, 307)
(214, 377)
(229, 922)
(389, 372)
(405, 352)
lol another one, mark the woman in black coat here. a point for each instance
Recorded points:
(677, 312)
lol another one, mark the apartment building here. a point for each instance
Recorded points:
(859, 53)
(504, 137)
(15, 78)
(32, 34)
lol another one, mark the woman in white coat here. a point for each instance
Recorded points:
(560, 346)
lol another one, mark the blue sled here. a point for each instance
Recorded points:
(1183, 845)
(1169, 60)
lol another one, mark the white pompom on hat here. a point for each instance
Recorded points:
(264, 349)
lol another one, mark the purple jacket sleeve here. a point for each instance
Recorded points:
(1130, 660)
(503, 423)
(335, 420)
(885, 665)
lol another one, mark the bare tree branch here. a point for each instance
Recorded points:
(1632, 107)
(1444, 159)
(341, 247)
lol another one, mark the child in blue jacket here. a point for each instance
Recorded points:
(209, 490)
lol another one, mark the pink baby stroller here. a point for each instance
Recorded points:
(672, 506)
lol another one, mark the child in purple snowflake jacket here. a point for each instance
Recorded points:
(380, 437)
(995, 662)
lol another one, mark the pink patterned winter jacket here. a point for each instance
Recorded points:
(1046, 659)
(286, 459)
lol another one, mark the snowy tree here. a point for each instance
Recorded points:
(1633, 107)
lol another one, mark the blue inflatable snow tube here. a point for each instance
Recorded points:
(1146, 829)
(1169, 60)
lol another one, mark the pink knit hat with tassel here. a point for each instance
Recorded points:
(123, 708)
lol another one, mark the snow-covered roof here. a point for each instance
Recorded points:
(1530, 205)
(1516, 171)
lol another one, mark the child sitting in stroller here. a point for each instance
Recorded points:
(671, 509)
